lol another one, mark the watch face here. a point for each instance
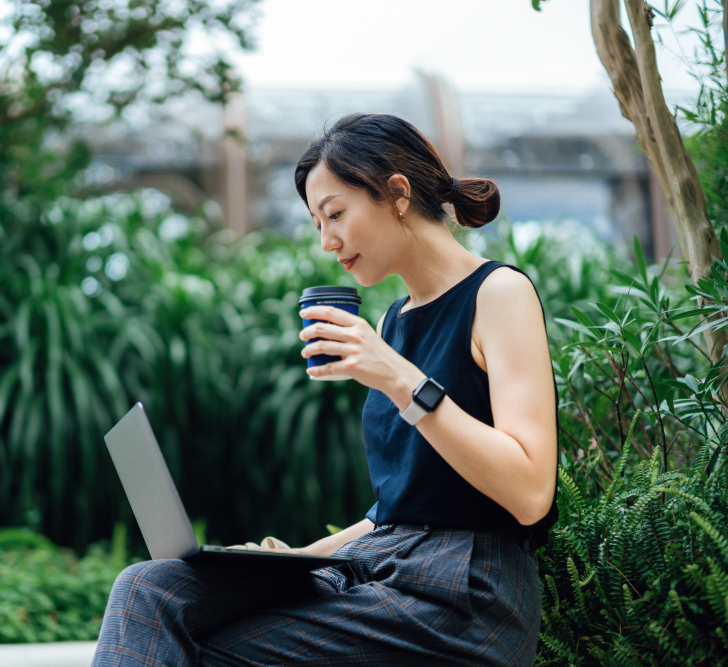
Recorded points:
(430, 395)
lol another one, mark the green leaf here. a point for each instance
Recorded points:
(583, 318)
(624, 277)
(640, 257)
(666, 263)
(633, 343)
(712, 325)
(723, 238)
(692, 383)
(609, 313)
(8, 383)
(576, 326)
(691, 312)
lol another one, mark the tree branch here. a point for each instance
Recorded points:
(637, 86)
(688, 200)
(618, 58)
(725, 35)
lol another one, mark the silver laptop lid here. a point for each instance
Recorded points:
(149, 487)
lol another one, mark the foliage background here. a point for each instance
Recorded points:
(109, 299)
(48, 594)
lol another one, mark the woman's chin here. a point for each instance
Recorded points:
(368, 281)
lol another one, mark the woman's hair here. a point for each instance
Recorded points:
(365, 150)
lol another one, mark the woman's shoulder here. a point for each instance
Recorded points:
(507, 295)
(505, 278)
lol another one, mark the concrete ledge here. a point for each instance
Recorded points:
(60, 654)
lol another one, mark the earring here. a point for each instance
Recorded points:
(401, 216)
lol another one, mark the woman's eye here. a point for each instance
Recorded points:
(334, 216)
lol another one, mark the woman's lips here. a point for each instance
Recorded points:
(350, 262)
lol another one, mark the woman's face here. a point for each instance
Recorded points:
(366, 236)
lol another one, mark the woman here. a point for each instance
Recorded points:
(461, 433)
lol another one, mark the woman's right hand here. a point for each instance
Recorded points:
(267, 544)
(323, 547)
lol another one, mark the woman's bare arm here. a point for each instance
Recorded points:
(514, 462)
(323, 547)
(327, 545)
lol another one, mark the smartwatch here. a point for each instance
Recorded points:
(425, 398)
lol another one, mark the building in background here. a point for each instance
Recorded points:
(555, 156)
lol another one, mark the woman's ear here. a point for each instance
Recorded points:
(399, 186)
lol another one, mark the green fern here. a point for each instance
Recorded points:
(559, 647)
(628, 601)
(684, 494)
(576, 543)
(717, 588)
(572, 490)
(591, 573)
(619, 469)
(624, 654)
(554, 593)
(655, 464)
(676, 604)
(640, 508)
(712, 532)
(720, 633)
(576, 585)
(686, 629)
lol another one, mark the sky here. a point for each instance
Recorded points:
(476, 44)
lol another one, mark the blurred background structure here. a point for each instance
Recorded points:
(556, 156)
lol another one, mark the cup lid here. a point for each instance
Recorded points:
(323, 291)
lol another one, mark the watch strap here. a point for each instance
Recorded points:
(413, 413)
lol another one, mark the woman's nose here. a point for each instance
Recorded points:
(329, 242)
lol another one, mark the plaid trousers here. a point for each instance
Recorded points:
(412, 596)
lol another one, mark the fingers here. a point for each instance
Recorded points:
(248, 546)
(328, 331)
(268, 544)
(333, 368)
(273, 543)
(331, 348)
(330, 314)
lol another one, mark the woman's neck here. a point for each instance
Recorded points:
(433, 262)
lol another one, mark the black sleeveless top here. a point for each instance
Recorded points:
(413, 484)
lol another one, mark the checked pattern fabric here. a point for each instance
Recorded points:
(412, 596)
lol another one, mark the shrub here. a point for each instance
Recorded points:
(639, 575)
(636, 571)
(48, 594)
(117, 299)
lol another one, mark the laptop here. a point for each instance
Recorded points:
(159, 511)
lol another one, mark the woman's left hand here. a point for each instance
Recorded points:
(365, 357)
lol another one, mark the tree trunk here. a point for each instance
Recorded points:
(725, 36)
(638, 88)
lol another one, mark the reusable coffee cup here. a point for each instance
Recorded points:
(345, 298)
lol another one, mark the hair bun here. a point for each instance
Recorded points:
(476, 201)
